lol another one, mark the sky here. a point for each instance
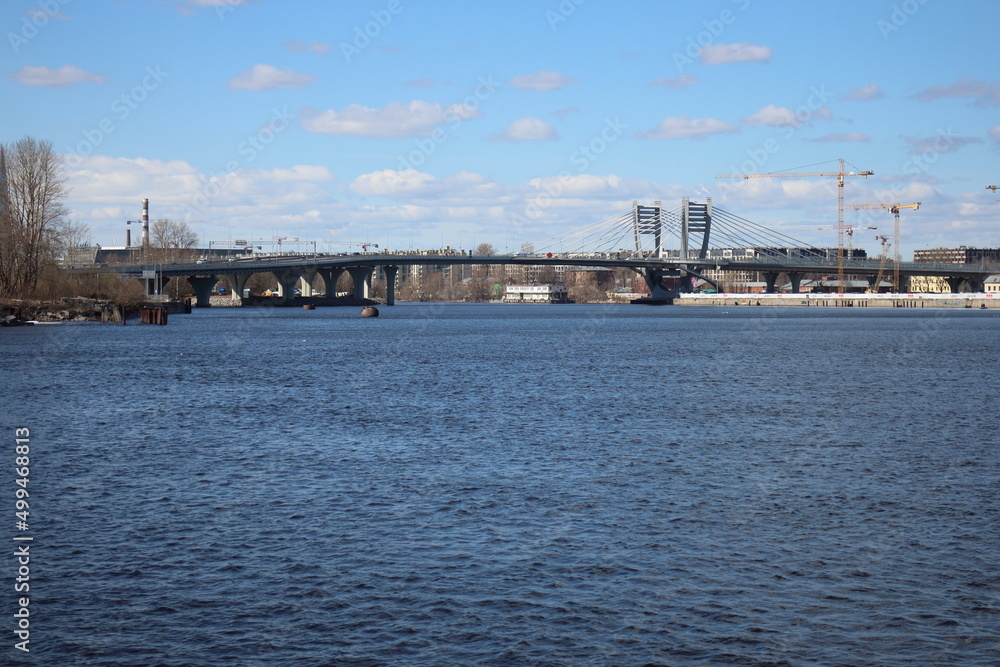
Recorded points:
(417, 124)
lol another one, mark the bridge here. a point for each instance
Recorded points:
(664, 247)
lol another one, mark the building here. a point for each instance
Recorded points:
(959, 255)
(992, 285)
(536, 294)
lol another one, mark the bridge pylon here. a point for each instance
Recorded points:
(696, 219)
(648, 221)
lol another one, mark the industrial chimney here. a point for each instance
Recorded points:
(145, 224)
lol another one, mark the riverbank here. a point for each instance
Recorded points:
(982, 301)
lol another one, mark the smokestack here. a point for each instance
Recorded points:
(145, 224)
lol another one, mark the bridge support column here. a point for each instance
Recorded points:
(654, 281)
(362, 277)
(770, 278)
(203, 286)
(330, 277)
(904, 284)
(977, 284)
(238, 282)
(796, 279)
(390, 284)
(954, 284)
(154, 286)
(286, 284)
(307, 282)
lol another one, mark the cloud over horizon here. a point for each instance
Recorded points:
(267, 77)
(543, 80)
(65, 76)
(741, 52)
(393, 121)
(681, 127)
(529, 128)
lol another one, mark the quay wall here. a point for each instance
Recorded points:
(979, 300)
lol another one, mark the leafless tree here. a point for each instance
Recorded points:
(72, 234)
(32, 188)
(171, 240)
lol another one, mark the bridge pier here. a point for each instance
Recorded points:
(286, 284)
(362, 277)
(238, 282)
(330, 276)
(654, 281)
(203, 286)
(974, 283)
(390, 284)
(154, 286)
(796, 279)
(307, 282)
(770, 278)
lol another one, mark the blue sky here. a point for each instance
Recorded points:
(412, 124)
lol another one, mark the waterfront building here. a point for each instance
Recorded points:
(959, 255)
(536, 294)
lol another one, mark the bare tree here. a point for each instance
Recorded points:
(485, 250)
(171, 240)
(72, 235)
(32, 188)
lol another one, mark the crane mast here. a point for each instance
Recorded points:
(894, 209)
(840, 174)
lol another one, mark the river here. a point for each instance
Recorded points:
(510, 485)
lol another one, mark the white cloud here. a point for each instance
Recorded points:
(422, 82)
(107, 191)
(528, 128)
(743, 52)
(864, 93)
(775, 116)
(301, 47)
(680, 127)
(67, 75)
(392, 183)
(995, 133)
(850, 137)
(394, 121)
(682, 81)
(985, 94)
(938, 144)
(268, 77)
(542, 81)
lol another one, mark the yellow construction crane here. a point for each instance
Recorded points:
(840, 174)
(894, 209)
(848, 230)
(873, 289)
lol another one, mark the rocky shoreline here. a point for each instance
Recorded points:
(75, 309)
